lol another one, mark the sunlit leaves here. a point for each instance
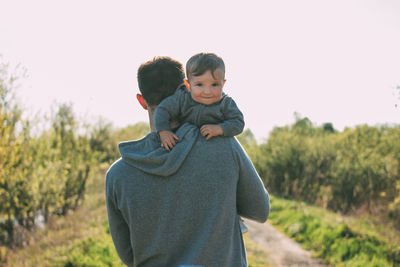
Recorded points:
(344, 171)
(42, 174)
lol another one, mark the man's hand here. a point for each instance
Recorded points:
(210, 130)
(168, 139)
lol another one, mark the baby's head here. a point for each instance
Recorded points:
(205, 77)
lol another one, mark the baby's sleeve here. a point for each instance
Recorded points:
(167, 110)
(233, 123)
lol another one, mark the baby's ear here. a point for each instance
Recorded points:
(187, 84)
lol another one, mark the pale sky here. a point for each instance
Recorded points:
(333, 61)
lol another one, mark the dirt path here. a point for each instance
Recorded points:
(282, 250)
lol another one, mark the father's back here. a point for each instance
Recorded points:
(183, 207)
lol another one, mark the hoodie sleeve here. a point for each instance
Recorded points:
(119, 229)
(233, 123)
(252, 199)
(167, 110)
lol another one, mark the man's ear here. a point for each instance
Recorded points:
(187, 84)
(141, 100)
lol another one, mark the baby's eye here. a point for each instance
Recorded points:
(215, 84)
(199, 84)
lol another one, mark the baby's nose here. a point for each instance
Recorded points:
(207, 90)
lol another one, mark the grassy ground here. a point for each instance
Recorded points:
(342, 241)
(82, 239)
(256, 256)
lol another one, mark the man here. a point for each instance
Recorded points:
(180, 207)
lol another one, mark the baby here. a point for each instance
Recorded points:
(200, 102)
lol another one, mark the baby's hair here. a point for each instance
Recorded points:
(202, 62)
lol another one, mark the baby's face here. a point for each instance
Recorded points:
(207, 89)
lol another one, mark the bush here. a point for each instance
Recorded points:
(357, 169)
(92, 252)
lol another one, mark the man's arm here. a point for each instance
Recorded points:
(252, 199)
(119, 229)
(233, 123)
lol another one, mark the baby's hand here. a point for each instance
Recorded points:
(168, 139)
(210, 130)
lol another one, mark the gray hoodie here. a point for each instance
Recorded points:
(182, 207)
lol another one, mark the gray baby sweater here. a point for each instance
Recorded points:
(181, 107)
(182, 207)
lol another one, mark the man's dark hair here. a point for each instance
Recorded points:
(159, 78)
(202, 62)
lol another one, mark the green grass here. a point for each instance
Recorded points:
(81, 239)
(341, 241)
(91, 251)
(256, 256)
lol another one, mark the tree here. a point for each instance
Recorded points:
(101, 141)
(328, 127)
(17, 194)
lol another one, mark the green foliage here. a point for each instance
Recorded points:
(101, 141)
(104, 139)
(79, 239)
(92, 252)
(132, 132)
(247, 139)
(41, 175)
(74, 155)
(45, 174)
(17, 201)
(330, 237)
(355, 169)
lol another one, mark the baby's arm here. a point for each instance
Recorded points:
(167, 139)
(233, 123)
(166, 110)
(210, 130)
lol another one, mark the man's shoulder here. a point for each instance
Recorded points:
(116, 168)
(232, 144)
(223, 144)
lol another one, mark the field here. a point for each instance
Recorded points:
(81, 238)
(339, 190)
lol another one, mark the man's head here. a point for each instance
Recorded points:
(205, 77)
(157, 79)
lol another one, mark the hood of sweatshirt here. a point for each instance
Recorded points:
(147, 154)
